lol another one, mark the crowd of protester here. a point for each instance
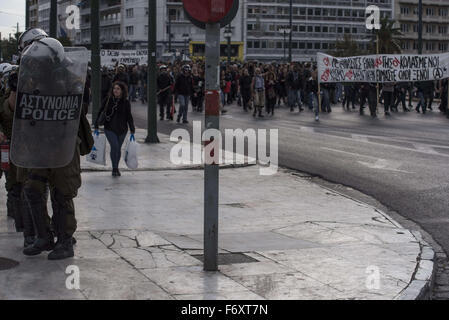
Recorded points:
(260, 88)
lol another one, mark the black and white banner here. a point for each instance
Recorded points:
(383, 68)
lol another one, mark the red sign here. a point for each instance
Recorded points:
(208, 11)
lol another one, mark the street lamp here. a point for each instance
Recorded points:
(284, 31)
(186, 38)
(228, 36)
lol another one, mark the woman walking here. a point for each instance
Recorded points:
(118, 118)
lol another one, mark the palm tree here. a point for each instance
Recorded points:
(346, 47)
(387, 36)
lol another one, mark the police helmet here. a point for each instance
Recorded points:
(163, 67)
(3, 66)
(46, 48)
(186, 67)
(29, 36)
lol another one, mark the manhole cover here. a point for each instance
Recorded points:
(6, 263)
(229, 258)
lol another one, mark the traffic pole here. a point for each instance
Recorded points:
(152, 77)
(53, 18)
(95, 58)
(27, 14)
(211, 167)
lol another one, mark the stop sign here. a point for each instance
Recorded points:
(201, 12)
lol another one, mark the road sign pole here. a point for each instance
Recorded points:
(152, 77)
(95, 58)
(211, 171)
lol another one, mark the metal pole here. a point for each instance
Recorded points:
(290, 33)
(53, 18)
(151, 91)
(420, 27)
(284, 44)
(27, 14)
(169, 31)
(95, 58)
(229, 46)
(377, 53)
(211, 172)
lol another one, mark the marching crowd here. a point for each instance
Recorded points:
(261, 88)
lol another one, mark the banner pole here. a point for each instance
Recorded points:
(377, 80)
(319, 96)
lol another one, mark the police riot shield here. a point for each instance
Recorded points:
(48, 105)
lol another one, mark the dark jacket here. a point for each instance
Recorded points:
(123, 77)
(184, 85)
(293, 83)
(163, 81)
(121, 116)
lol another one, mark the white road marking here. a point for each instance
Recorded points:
(379, 164)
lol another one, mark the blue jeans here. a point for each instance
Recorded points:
(294, 97)
(326, 104)
(183, 106)
(132, 92)
(314, 103)
(116, 143)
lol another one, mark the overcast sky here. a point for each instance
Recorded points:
(11, 12)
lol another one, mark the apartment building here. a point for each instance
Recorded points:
(316, 26)
(435, 25)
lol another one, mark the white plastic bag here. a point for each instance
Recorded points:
(98, 153)
(131, 153)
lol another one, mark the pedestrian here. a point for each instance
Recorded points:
(258, 91)
(164, 85)
(387, 92)
(118, 118)
(198, 90)
(312, 89)
(121, 75)
(184, 89)
(270, 89)
(245, 89)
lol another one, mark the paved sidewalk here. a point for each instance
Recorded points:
(281, 237)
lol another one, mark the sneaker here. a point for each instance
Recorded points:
(185, 121)
(387, 113)
(178, 120)
(317, 118)
(117, 172)
(63, 250)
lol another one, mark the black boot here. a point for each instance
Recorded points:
(64, 245)
(14, 204)
(63, 249)
(29, 234)
(44, 240)
(10, 206)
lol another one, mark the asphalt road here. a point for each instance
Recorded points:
(402, 161)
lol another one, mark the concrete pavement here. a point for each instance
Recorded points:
(280, 237)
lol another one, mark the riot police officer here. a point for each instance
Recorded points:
(45, 138)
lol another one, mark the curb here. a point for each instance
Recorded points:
(423, 279)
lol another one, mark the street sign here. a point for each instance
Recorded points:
(201, 12)
(211, 15)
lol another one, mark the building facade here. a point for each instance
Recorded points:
(317, 24)
(124, 25)
(435, 33)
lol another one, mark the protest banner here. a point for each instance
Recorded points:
(383, 68)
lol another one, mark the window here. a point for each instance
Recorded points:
(442, 12)
(309, 45)
(302, 28)
(404, 27)
(354, 30)
(405, 10)
(264, 44)
(302, 45)
(130, 30)
(430, 11)
(129, 13)
(302, 11)
(249, 44)
(279, 45)
(249, 26)
(294, 45)
(442, 29)
(325, 46)
(443, 46)
(317, 45)
(310, 12)
(309, 29)
(429, 28)
(325, 29)
(256, 44)
(317, 29)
